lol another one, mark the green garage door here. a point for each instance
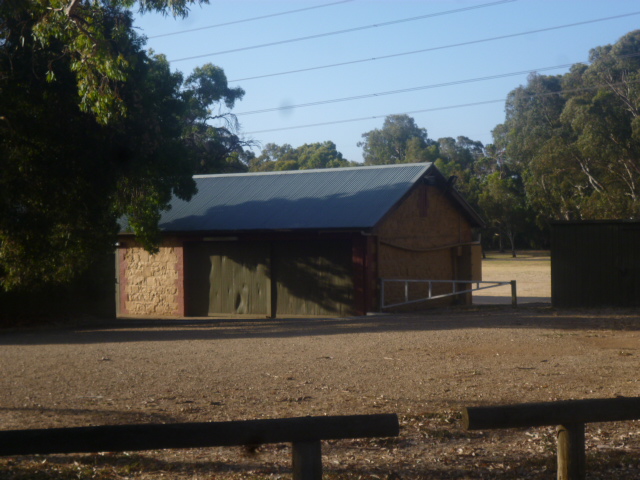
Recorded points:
(227, 278)
(314, 277)
(306, 278)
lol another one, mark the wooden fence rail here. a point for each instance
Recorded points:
(305, 433)
(569, 417)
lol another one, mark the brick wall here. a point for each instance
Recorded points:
(151, 284)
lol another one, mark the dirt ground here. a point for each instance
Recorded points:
(424, 367)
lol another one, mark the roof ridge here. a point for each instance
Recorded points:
(315, 170)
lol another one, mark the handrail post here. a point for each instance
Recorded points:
(307, 460)
(381, 294)
(514, 295)
(406, 291)
(571, 452)
(570, 415)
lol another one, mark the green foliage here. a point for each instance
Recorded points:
(213, 149)
(460, 158)
(503, 203)
(575, 139)
(69, 171)
(93, 45)
(399, 140)
(284, 157)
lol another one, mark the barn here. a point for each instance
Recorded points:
(309, 242)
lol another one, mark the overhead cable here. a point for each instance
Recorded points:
(249, 19)
(405, 90)
(374, 117)
(413, 52)
(435, 109)
(424, 87)
(348, 30)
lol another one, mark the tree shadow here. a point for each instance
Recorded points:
(98, 415)
(612, 464)
(303, 276)
(211, 329)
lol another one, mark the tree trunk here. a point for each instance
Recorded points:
(512, 238)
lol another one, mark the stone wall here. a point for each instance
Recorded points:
(151, 284)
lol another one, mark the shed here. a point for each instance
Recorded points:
(309, 242)
(595, 263)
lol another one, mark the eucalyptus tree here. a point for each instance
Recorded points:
(462, 157)
(504, 206)
(604, 115)
(400, 140)
(575, 138)
(91, 128)
(310, 155)
(90, 36)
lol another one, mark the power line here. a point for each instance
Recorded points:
(348, 30)
(374, 117)
(249, 19)
(413, 52)
(435, 109)
(406, 90)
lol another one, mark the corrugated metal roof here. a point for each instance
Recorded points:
(338, 198)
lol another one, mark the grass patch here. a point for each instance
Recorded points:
(525, 255)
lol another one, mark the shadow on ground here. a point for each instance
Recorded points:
(80, 467)
(163, 329)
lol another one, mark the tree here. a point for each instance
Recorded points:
(503, 203)
(605, 119)
(89, 41)
(213, 149)
(310, 155)
(320, 155)
(399, 141)
(575, 138)
(69, 171)
(460, 157)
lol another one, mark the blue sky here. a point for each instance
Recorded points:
(444, 25)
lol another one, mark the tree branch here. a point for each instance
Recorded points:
(70, 9)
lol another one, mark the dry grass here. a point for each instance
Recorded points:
(530, 270)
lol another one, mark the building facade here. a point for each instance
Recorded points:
(314, 242)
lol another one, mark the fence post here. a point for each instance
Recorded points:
(571, 452)
(514, 294)
(307, 460)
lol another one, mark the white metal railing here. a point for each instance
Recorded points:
(454, 283)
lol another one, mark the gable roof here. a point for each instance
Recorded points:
(341, 198)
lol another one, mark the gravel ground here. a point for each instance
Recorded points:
(424, 367)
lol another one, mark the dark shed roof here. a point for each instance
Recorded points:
(341, 198)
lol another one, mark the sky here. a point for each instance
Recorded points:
(430, 59)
